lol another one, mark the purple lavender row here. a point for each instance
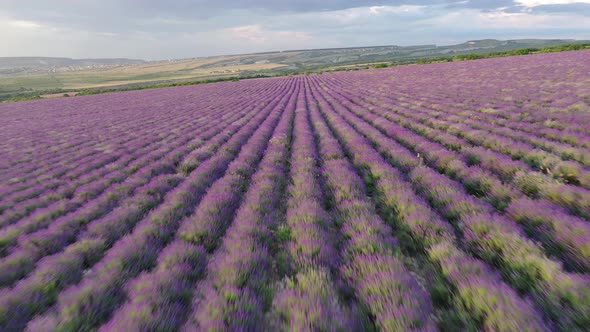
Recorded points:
(381, 131)
(451, 89)
(554, 152)
(93, 111)
(216, 113)
(192, 160)
(35, 293)
(457, 206)
(132, 168)
(25, 208)
(307, 223)
(81, 167)
(577, 200)
(309, 299)
(539, 133)
(158, 299)
(381, 281)
(116, 105)
(199, 233)
(538, 109)
(61, 232)
(66, 268)
(54, 159)
(95, 161)
(454, 207)
(74, 164)
(501, 126)
(61, 209)
(433, 153)
(46, 165)
(556, 165)
(563, 234)
(413, 216)
(231, 296)
(551, 139)
(39, 164)
(91, 192)
(548, 130)
(577, 241)
(45, 194)
(61, 190)
(77, 171)
(73, 140)
(499, 164)
(195, 157)
(564, 296)
(211, 219)
(91, 301)
(168, 122)
(534, 184)
(568, 152)
(483, 294)
(188, 128)
(449, 199)
(480, 183)
(565, 171)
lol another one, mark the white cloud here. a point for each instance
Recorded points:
(257, 34)
(526, 20)
(107, 34)
(168, 34)
(25, 24)
(21, 24)
(395, 9)
(251, 33)
(503, 21)
(533, 3)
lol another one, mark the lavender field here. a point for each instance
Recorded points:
(450, 196)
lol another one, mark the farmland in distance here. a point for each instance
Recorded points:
(447, 196)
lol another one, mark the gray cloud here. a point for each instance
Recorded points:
(89, 12)
(182, 28)
(577, 8)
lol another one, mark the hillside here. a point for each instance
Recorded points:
(28, 76)
(308, 59)
(30, 65)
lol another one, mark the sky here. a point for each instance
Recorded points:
(167, 29)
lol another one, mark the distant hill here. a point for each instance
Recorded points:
(301, 59)
(23, 65)
(291, 59)
(33, 76)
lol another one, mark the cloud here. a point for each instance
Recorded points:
(155, 29)
(20, 24)
(574, 8)
(257, 34)
(534, 3)
(92, 12)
